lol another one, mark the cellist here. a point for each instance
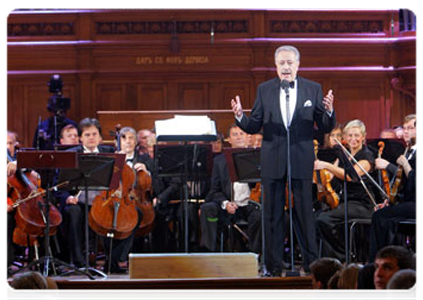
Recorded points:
(12, 141)
(385, 220)
(72, 205)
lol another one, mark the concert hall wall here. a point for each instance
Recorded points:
(167, 60)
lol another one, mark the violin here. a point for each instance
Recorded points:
(255, 193)
(30, 215)
(397, 183)
(322, 179)
(384, 174)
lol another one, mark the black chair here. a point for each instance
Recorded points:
(407, 233)
(356, 253)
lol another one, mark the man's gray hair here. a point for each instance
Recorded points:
(288, 48)
(128, 129)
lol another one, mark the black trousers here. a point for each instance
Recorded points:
(11, 224)
(274, 221)
(330, 225)
(213, 218)
(384, 225)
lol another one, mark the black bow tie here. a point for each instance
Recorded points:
(291, 84)
(130, 159)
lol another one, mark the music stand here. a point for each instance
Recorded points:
(190, 162)
(94, 174)
(244, 166)
(48, 161)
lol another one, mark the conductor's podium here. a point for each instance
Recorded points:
(193, 265)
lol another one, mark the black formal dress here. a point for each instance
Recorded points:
(330, 223)
(266, 114)
(213, 217)
(383, 230)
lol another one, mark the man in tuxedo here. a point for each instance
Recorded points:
(221, 205)
(275, 114)
(71, 204)
(384, 226)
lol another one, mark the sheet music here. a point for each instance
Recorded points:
(185, 125)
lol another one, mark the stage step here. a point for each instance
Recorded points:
(193, 265)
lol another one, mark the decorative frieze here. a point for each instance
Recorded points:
(40, 29)
(302, 26)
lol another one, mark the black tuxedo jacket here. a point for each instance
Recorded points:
(62, 195)
(266, 114)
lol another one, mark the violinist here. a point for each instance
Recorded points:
(329, 223)
(385, 220)
(408, 135)
(219, 207)
(12, 141)
(336, 132)
(72, 203)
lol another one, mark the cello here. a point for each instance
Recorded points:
(140, 193)
(113, 212)
(30, 216)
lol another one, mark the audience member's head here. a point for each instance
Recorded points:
(29, 280)
(69, 135)
(333, 281)
(348, 277)
(322, 270)
(51, 283)
(390, 260)
(403, 279)
(365, 277)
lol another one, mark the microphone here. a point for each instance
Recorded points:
(285, 85)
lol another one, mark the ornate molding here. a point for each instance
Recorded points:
(302, 26)
(40, 29)
(167, 27)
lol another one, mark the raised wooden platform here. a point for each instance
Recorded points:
(115, 288)
(192, 265)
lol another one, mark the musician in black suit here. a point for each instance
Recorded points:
(306, 106)
(71, 205)
(219, 208)
(385, 220)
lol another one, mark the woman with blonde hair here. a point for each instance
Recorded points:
(349, 276)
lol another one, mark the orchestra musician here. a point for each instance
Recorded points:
(142, 137)
(329, 223)
(12, 141)
(164, 189)
(72, 203)
(306, 105)
(69, 135)
(385, 220)
(219, 205)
